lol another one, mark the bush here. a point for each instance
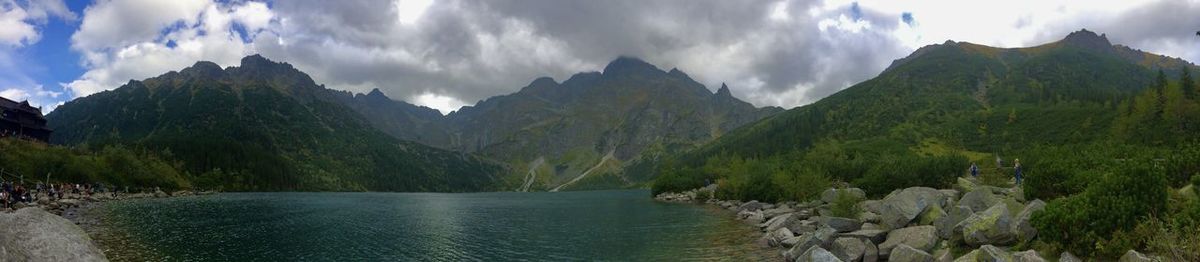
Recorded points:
(1196, 182)
(845, 205)
(911, 171)
(1117, 202)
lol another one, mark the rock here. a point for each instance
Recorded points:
(943, 255)
(868, 217)
(945, 225)
(1134, 256)
(830, 195)
(871, 254)
(821, 237)
(965, 185)
(873, 235)
(969, 257)
(848, 249)
(817, 254)
(872, 206)
(776, 238)
(1068, 257)
(19, 205)
(1022, 229)
(776, 222)
(790, 242)
(993, 253)
(949, 194)
(930, 215)
(902, 206)
(979, 200)
(988, 227)
(1027, 256)
(841, 224)
(772, 213)
(905, 253)
(32, 234)
(919, 237)
(752, 217)
(753, 205)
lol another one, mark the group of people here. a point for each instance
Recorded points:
(1000, 165)
(12, 192)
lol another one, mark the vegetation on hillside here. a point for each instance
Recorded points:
(111, 165)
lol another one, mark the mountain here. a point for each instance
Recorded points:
(964, 97)
(613, 125)
(265, 126)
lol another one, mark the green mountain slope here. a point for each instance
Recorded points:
(264, 126)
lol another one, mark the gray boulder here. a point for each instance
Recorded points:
(972, 256)
(817, 254)
(830, 195)
(753, 205)
(1022, 228)
(1068, 257)
(919, 237)
(821, 237)
(905, 253)
(979, 200)
(1134, 256)
(777, 237)
(988, 227)
(871, 254)
(774, 212)
(777, 222)
(848, 249)
(841, 224)
(943, 255)
(1027, 256)
(945, 224)
(872, 235)
(993, 253)
(902, 206)
(32, 234)
(868, 217)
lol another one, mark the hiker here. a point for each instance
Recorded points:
(974, 170)
(1017, 166)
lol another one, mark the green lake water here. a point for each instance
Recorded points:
(625, 225)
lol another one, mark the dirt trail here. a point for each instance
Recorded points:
(532, 174)
(606, 158)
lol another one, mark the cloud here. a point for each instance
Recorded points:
(19, 21)
(442, 53)
(36, 95)
(124, 40)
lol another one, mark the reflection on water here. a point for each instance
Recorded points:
(595, 225)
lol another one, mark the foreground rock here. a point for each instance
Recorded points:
(905, 253)
(32, 234)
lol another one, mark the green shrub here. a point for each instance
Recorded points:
(845, 205)
(911, 171)
(1116, 202)
(1196, 182)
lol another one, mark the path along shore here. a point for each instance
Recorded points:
(50, 229)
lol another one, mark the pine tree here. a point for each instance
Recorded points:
(1187, 84)
(1160, 87)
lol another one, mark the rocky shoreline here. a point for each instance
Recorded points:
(985, 223)
(54, 230)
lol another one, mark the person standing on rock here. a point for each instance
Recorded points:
(974, 170)
(1017, 167)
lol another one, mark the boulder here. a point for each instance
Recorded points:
(919, 237)
(777, 222)
(972, 256)
(790, 242)
(32, 234)
(817, 254)
(774, 212)
(871, 254)
(848, 249)
(752, 217)
(905, 253)
(872, 235)
(841, 224)
(979, 200)
(777, 237)
(872, 206)
(988, 227)
(1134, 256)
(830, 195)
(871, 226)
(753, 205)
(1068, 257)
(902, 206)
(945, 224)
(1022, 229)
(993, 253)
(949, 194)
(868, 217)
(930, 215)
(1027, 256)
(819, 238)
(943, 255)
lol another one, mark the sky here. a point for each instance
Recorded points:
(447, 54)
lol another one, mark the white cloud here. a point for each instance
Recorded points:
(36, 95)
(181, 33)
(442, 103)
(19, 22)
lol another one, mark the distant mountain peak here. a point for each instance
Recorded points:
(204, 69)
(258, 61)
(626, 64)
(724, 91)
(375, 93)
(1088, 39)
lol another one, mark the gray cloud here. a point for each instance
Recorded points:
(472, 50)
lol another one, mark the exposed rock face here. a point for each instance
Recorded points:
(905, 253)
(849, 249)
(1134, 256)
(931, 215)
(817, 254)
(1027, 256)
(979, 200)
(988, 227)
(32, 234)
(901, 207)
(993, 253)
(1021, 227)
(820, 238)
(841, 224)
(873, 235)
(919, 237)
(945, 224)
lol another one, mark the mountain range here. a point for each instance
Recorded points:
(265, 125)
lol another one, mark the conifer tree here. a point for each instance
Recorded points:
(1187, 84)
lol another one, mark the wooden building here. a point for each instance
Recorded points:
(22, 121)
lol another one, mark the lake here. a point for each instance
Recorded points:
(620, 225)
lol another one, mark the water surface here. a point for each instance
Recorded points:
(594, 225)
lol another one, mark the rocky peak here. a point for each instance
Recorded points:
(724, 91)
(626, 65)
(376, 94)
(1089, 40)
(204, 69)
